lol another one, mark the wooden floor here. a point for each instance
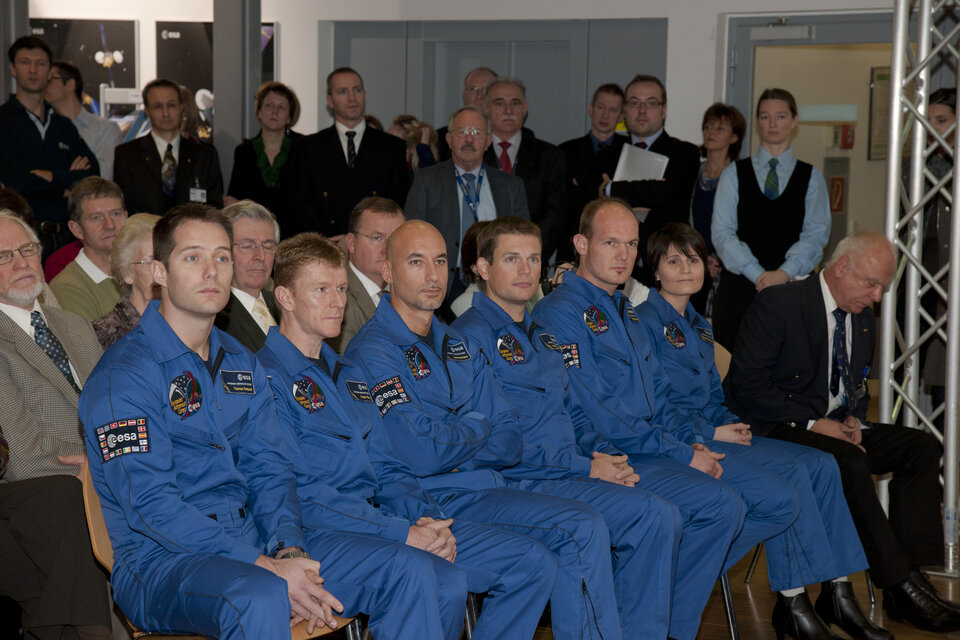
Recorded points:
(754, 604)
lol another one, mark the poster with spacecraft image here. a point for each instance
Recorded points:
(105, 51)
(185, 55)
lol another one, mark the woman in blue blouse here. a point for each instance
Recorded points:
(823, 543)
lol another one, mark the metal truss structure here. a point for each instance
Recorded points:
(906, 326)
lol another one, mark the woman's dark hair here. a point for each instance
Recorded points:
(947, 96)
(778, 94)
(728, 112)
(676, 234)
(468, 250)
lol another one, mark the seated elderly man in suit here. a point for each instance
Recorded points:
(164, 169)
(46, 355)
(799, 373)
(466, 185)
(517, 151)
(251, 310)
(371, 223)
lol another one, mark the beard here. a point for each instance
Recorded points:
(24, 297)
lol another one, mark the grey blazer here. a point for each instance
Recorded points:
(435, 197)
(38, 407)
(359, 309)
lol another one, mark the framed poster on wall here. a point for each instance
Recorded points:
(105, 51)
(185, 55)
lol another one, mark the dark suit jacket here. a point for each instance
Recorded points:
(38, 406)
(435, 197)
(246, 181)
(541, 167)
(137, 165)
(237, 321)
(667, 199)
(323, 189)
(778, 373)
(359, 309)
(584, 175)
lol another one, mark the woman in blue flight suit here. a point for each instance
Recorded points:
(828, 542)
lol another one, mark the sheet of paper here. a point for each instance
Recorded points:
(640, 164)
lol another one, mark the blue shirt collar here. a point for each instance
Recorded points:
(649, 140)
(494, 315)
(167, 345)
(292, 361)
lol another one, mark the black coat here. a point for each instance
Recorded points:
(246, 181)
(667, 199)
(323, 189)
(541, 167)
(778, 373)
(137, 169)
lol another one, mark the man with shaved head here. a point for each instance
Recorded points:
(799, 374)
(445, 420)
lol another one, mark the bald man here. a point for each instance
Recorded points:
(789, 381)
(445, 420)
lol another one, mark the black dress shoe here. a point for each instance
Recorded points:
(910, 601)
(919, 577)
(838, 605)
(795, 617)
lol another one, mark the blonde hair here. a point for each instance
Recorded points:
(136, 228)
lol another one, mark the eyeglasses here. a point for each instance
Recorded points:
(145, 260)
(27, 250)
(652, 103)
(377, 238)
(463, 132)
(60, 78)
(477, 90)
(249, 246)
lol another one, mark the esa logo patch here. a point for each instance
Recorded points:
(510, 350)
(185, 396)
(549, 341)
(417, 363)
(596, 320)
(674, 335)
(571, 355)
(359, 391)
(388, 393)
(308, 395)
(238, 382)
(705, 334)
(457, 351)
(122, 437)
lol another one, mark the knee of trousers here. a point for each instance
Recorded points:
(853, 463)
(652, 513)
(926, 448)
(530, 564)
(255, 599)
(781, 502)
(451, 581)
(722, 506)
(821, 466)
(583, 528)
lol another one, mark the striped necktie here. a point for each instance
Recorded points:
(52, 346)
(771, 186)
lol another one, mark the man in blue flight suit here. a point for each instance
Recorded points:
(327, 416)
(529, 367)
(445, 420)
(198, 495)
(615, 387)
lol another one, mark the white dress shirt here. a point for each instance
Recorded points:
(511, 150)
(248, 301)
(371, 287)
(342, 134)
(94, 272)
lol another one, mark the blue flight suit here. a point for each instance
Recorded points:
(195, 485)
(644, 529)
(610, 391)
(446, 422)
(823, 542)
(330, 416)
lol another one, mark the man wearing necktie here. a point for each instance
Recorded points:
(799, 374)
(771, 219)
(164, 169)
(656, 202)
(515, 150)
(467, 188)
(251, 310)
(46, 354)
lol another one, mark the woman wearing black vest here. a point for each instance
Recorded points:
(771, 217)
